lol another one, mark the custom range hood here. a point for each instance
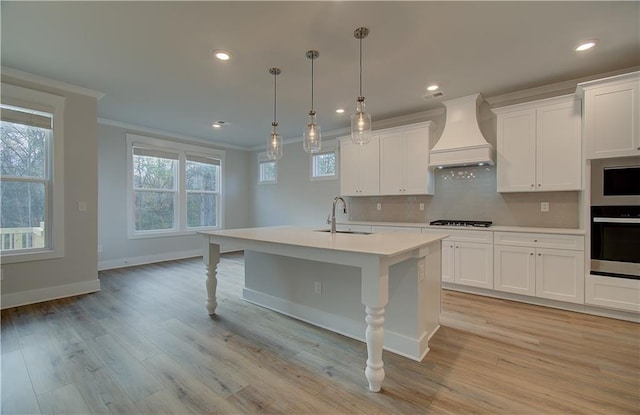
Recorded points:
(462, 142)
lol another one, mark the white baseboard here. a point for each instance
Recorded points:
(150, 259)
(414, 349)
(578, 308)
(48, 293)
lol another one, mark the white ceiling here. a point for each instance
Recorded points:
(153, 59)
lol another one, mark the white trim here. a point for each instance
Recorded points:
(49, 293)
(414, 349)
(152, 259)
(52, 83)
(168, 135)
(54, 104)
(180, 221)
(578, 308)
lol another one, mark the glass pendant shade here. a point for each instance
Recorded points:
(312, 139)
(361, 120)
(274, 148)
(360, 124)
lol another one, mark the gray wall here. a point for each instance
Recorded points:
(79, 264)
(117, 250)
(294, 199)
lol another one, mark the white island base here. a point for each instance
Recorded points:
(284, 267)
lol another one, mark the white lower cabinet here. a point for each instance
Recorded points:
(533, 264)
(611, 292)
(467, 257)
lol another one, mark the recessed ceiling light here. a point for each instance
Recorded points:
(219, 124)
(586, 45)
(222, 54)
(432, 87)
(340, 110)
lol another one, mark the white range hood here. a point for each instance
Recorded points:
(462, 142)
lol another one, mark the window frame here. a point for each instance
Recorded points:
(326, 150)
(180, 208)
(54, 210)
(262, 158)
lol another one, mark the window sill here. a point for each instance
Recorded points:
(147, 235)
(17, 257)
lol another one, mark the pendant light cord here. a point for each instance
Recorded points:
(361, 66)
(275, 88)
(312, 83)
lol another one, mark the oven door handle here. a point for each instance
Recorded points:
(616, 220)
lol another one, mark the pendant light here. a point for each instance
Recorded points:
(361, 120)
(274, 147)
(312, 138)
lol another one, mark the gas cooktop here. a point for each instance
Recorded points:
(447, 222)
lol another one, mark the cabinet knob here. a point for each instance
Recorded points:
(539, 185)
(539, 254)
(531, 253)
(457, 247)
(532, 185)
(535, 240)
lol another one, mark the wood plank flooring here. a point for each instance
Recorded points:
(145, 345)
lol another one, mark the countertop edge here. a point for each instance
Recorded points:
(496, 228)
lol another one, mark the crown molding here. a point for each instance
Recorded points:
(549, 91)
(140, 129)
(52, 83)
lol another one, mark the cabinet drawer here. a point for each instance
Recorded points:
(540, 240)
(386, 229)
(462, 235)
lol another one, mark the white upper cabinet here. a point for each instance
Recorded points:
(404, 160)
(539, 146)
(612, 116)
(359, 168)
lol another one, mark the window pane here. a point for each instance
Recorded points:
(22, 217)
(268, 171)
(23, 150)
(201, 209)
(324, 164)
(154, 172)
(154, 210)
(202, 176)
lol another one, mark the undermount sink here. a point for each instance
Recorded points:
(351, 232)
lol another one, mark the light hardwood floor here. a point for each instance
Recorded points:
(145, 344)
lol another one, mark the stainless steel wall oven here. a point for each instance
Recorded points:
(615, 241)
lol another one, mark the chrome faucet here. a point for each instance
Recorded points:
(332, 218)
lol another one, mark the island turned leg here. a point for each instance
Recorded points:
(375, 296)
(375, 339)
(212, 259)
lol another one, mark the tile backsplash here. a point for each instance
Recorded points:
(469, 193)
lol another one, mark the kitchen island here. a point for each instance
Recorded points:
(376, 267)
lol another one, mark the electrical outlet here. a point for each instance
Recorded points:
(317, 287)
(544, 206)
(421, 206)
(379, 206)
(82, 206)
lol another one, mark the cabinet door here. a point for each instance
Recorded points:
(474, 264)
(559, 147)
(448, 261)
(359, 168)
(560, 275)
(417, 176)
(392, 165)
(516, 168)
(612, 120)
(349, 168)
(515, 269)
(369, 168)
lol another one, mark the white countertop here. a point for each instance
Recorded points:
(563, 231)
(381, 244)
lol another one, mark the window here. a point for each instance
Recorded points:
(268, 169)
(31, 186)
(174, 188)
(323, 165)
